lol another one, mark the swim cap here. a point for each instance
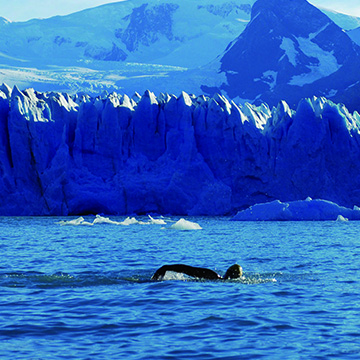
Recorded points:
(233, 272)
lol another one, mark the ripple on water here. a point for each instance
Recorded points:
(85, 292)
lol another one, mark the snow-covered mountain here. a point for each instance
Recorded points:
(170, 46)
(290, 50)
(183, 33)
(62, 154)
(168, 32)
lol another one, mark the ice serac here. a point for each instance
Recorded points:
(187, 155)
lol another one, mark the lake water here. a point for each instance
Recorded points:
(84, 292)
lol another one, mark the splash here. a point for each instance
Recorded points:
(249, 279)
(171, 275)
(255, 279)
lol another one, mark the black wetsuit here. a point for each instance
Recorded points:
(197, 272)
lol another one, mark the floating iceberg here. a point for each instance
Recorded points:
(156, 221)
(183, 224)
(129, 221)
(76, 222)
(104, 220)
(306, 210)
(341, 218)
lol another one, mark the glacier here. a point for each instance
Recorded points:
(64, 154)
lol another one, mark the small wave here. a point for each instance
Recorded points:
(35, 279)
(60, 280)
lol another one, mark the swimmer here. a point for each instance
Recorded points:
(233, 272)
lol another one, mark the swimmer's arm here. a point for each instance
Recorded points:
(159, 273)
(197, 272)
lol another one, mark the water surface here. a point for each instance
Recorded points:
(84, 292)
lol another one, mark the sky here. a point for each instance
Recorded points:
(22, 10)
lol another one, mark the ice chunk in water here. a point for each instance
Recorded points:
(183, 224)
(341, 218)
(76, 222)
(156, 221)
(104, 220)
(129, 221)
(306, 210)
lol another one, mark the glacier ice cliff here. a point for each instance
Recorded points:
(115, 154)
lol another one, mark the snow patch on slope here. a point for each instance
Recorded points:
(325, 63)
(269, 77)
(290, 51)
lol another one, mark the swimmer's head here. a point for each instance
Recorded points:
(233, 272)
